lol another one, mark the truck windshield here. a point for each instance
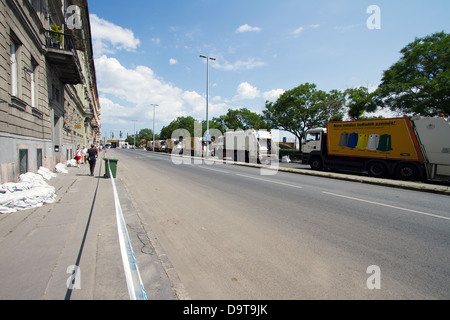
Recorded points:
(313, 136)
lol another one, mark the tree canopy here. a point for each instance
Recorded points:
(240, 119)
(419, 83)
(141, 138)
(358, 102)
(302, 107)
(179, 123)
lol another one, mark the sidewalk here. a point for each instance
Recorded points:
(39, 247)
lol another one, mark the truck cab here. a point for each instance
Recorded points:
(314, 148)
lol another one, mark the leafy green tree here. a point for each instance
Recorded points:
(358, 102)
(146, 134)
(303, 107)
(179, 123)
(141, 138)
(240, 119)
(130, 140)
(419, 83)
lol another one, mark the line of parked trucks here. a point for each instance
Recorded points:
(254, 146)
(406, 148)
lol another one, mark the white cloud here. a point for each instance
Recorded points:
(108, 37)
(238, 65)
(273, 95)
(297, 31)
(246, 91)
(195, 100)
(138, 88)
(300, 30)
(172, 61)
(113, 113)
(247, 28)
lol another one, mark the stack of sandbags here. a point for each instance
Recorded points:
(30, 192)
(61, 168)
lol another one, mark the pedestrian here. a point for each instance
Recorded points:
(92, 155)
(84, 154)
(78, 155)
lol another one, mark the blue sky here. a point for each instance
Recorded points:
(147, 52)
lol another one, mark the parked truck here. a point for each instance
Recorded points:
(160, 145)
(174, 146)
(150, 145)
(197, 146)
(254, 146)
(409, 148)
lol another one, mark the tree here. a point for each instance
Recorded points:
(302, 107)
(180, 123)
(141, 138)
(359, 101)
(240, 119)
(419, 83)
(146, 134)
(130, 140)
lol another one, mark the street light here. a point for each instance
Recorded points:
(207, 100)
(134, 134)
(154, 105)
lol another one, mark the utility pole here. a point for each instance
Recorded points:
(154, 105)
(207, 101)
(134, 135)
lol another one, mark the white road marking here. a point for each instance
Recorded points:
(387, 205)
(266, 180)
(206, 168)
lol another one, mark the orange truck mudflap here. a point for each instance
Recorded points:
(390, 139)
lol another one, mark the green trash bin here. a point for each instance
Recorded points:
(110, 163)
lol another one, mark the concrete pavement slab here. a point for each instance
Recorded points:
(40, 246)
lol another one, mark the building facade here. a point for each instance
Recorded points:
(48, 94)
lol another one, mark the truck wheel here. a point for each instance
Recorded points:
(407, 171)
(377, 169)
(316, 163)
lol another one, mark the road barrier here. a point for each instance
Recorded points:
(134, 282)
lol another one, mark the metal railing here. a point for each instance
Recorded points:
(58, 40)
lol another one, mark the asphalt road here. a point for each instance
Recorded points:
(232, 233)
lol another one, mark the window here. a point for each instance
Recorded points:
(313, 136)
(33, 83)
(13, 46)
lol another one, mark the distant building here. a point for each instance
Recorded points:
(48, 94)
(116, 143)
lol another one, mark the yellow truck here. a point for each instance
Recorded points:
(174, 146)
(197, 146)
(409, 148)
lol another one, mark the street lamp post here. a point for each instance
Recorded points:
(207, 98)
(134, 134)
(153, 147)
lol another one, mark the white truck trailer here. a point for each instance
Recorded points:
(251, 146)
